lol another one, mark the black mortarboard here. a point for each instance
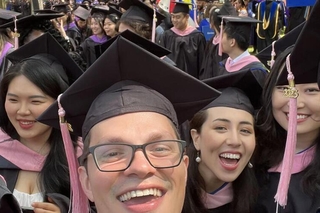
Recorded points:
(46, 44)
(85, 6)
(227, 9)
(81, 13)
(105, 10)
(114, 5)
(181, 7)
(138, 40)
(280, 45)
(241, 26)
(64, 8)
(244, 89)
(305, 56)
(7, 16)
(137, 10)
(103, 92)
(26, 21)
(45, 11)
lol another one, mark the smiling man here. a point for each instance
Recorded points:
(133, 159)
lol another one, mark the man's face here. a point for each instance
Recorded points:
(140, 178)
(179, 20)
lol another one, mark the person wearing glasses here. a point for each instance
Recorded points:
(133, 159)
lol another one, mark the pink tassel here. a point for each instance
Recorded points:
(220, 38)
(78, 199)
(273, 54)
(154, 23)
(16, 35)
(285, 176)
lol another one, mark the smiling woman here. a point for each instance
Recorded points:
(220, 178)
(32, 155)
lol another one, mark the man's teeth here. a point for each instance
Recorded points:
(140, 193)
(230, 156)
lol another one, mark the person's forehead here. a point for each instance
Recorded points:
(144, 126)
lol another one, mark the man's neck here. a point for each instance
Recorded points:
(235, 53)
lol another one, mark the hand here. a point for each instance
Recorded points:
(45, 207)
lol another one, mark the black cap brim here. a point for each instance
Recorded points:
(26, 21)
(283, 43)
(47, 44)
(250, 82)
(127, 61)
(140, 11)
(138, 40)
(305, 56)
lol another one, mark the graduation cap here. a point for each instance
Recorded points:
(45, 11)
(305, 56)
(240, 90)
(280, 45)
(64, 8)
(227, 9)
(114, 5)
(137, 10)
(7, 16)
(27, 21)
(81, 13)
(85, 6)
(126, 86)
(46, 44)
(181, 7)
(138, 40)
(105, 10)
(239, 26)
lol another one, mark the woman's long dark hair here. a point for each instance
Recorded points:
(244, 187)
(54, 176)
(269, 151)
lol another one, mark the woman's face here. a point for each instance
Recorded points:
(308, 111)
(23, 104)
(109, 27)
(95, 27)
(226, 144)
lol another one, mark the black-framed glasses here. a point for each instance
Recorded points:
(115, 157)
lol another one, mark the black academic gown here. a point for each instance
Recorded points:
(186, 51)
(88, 52)
(252, 66)
(221, 209)
(74, 34)
(10, 172)
(298, 201)
(210, 64)
(8, 203)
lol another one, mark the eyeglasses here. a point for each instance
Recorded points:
(115, 157)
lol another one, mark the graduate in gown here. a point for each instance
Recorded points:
(98, 15)
(32, 156)
(185, 42)
(81, 20)
(6, 40)
(220, 175)
(210, 64)
(235, 41)
(69, 27)
(277, 122)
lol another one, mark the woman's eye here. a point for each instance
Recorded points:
(282, 87)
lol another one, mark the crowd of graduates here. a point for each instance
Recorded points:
(164, 106)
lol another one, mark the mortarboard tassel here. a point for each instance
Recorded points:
(154, 23)
(220, 38)
(285, 176)
(79, 200)
(195, 15)
(16, 34)
(273, 54)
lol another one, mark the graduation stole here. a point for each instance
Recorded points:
(266, 19)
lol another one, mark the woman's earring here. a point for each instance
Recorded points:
(250, 165)
(198, 159)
